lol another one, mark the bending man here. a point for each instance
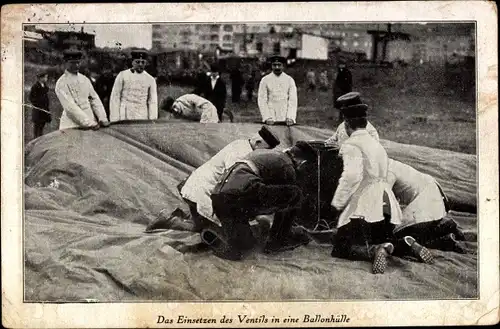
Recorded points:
(192, 107)
(197, 188)
(263, 183)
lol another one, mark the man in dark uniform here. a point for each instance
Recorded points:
(343, 84)
(39, 97)
(263, 183)
(237, 83)
(104, 85)
(214, 89)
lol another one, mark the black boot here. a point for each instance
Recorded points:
(282, 237)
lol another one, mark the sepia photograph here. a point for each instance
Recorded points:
(249, 161)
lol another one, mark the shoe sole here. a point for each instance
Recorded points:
(380, 262)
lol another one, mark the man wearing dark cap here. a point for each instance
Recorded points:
(134, 95)
(39, 98)
(344, 103)
(263, 183)
(214, 89)
(277, 95)
(367, 206)
(199, 185)
(78, 97)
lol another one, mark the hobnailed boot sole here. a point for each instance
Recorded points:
(380, 259)
(419, 251)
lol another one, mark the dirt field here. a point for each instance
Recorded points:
(408, 110)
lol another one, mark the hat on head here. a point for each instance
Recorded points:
(269, 137)
(303, 150)
(277, 58)
(214, 67)
(139, 54)
(41, 74)
(72, 54)
(351, 105)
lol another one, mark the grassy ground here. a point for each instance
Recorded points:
(411, 113)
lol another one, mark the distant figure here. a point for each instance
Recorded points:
(192, 107)
(78, 98)
(250, 84)
(134, 95)
(237, 83)
(278, 95)
(104, 86)
(311, 80)
(39, 97)
(214, 89)
(323, 80)
(343, 84)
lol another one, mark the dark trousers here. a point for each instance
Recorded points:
(428, 232)
(249, 94)
(236, 93)
(355, 239)
(235, 217)
(220, 112)
(38, 128)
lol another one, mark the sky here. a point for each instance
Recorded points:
(108, 35)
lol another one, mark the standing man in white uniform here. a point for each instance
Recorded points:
(78, 97)
(340, 136)
(198, 187)
(277, 96)
(134, 95)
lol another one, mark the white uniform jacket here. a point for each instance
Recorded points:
(79, 101)
(197, 108)
(341, 136)
(134, 97)
(277, 97)
(417, 193)
(363, 183)
(200, 184)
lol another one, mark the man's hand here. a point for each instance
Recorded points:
(269, 122)
(104, 123)
(289, 122)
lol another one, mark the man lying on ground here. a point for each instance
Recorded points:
(192, 107)
(197, 188)
(263, 183)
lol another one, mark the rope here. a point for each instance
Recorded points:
(28, 105)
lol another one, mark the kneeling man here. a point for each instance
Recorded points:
(263, 183)
(425, 209)
(365, 224)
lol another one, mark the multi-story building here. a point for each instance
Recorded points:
(424, 43)
(200, 37)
